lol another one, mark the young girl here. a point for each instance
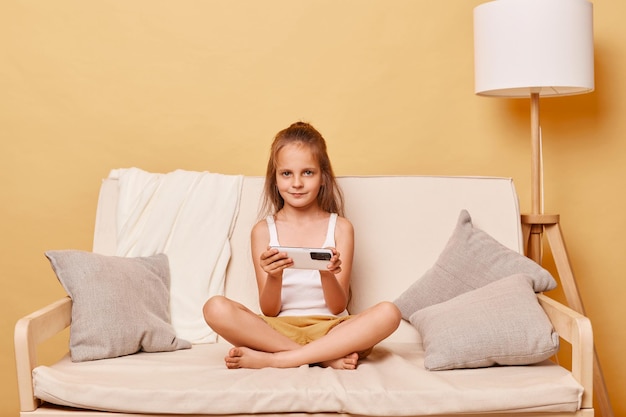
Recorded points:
(304, 318)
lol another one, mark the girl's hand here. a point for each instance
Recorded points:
(272, 261)
(335, 262)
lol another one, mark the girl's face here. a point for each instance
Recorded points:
(298, 175)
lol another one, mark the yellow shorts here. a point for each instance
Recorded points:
(304, 329)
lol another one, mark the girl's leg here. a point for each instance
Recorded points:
(359, 333)
(242, 327)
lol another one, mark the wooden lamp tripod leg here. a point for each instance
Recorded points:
(550, 225)
(533, 227)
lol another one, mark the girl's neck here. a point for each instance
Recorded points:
(297, 215)
(298, 227)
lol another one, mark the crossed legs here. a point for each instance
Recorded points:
(257, 345)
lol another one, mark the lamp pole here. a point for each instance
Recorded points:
(539, 47)
(536, 179)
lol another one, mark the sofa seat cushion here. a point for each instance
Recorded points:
(392, 381)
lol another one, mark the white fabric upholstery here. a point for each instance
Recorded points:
(392, 382)
(402, 225)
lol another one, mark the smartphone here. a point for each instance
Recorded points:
(307, 258)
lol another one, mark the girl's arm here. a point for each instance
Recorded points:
(336, 281)
(268, 268)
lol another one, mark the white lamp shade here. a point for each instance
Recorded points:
(533, 46)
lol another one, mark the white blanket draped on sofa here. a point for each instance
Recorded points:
(189, 216)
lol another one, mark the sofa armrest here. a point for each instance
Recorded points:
(30, 331)
(575, 329)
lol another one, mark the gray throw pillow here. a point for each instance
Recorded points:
(470, 260)
(499, 324)
(119, 305)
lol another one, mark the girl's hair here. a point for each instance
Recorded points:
(330, 197)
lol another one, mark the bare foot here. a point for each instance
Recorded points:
(347, 362)
(243, 357)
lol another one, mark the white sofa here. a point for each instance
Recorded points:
(402, 224)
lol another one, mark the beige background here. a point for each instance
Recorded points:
(204, 85)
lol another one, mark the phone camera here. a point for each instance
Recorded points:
(320, 256)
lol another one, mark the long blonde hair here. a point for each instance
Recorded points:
(330, 197)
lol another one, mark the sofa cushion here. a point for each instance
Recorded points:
(391, 381)
(501, 323)
(119, 305)
(470, 260)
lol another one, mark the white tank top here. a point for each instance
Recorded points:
(302, 293)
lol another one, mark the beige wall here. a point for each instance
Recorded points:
(203, 85)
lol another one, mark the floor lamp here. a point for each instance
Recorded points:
(532, 49)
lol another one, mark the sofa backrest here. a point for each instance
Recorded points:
(401, 225)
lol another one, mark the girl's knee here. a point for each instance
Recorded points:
(215, 306)
(390, 311)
